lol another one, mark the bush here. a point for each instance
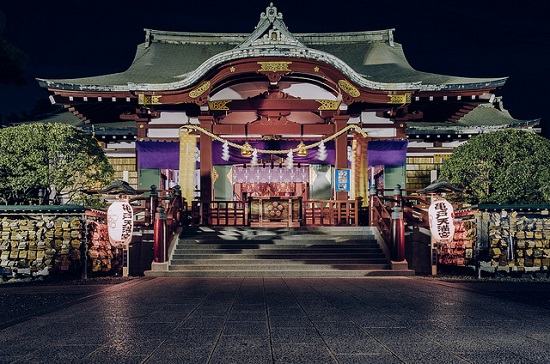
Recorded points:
(56, 158)
(505, 167)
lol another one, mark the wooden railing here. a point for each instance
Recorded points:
(148, 203)
(391, 214)
(222, 213)
(163, 211)
(380, 213)
(415, 209)
(395, 213)
(331, 212)
(312, 213)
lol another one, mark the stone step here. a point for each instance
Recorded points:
(278, 252)
(263, 254)
(281, 273)
(278, 267)
(273, 250)
(287, 249)
(290, 240)
(270, 233)
(251, 261)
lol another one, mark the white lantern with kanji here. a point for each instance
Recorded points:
(441, 214)
(120, 222)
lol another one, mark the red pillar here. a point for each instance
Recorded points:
(206, 122)
(341, 149)
(397, 235)
(206, 166)
(398, 227)
(159, 231)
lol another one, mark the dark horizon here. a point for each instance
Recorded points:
(73, 39)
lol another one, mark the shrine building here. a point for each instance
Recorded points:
(274, 114)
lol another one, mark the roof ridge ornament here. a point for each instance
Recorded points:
(271, 14)
(271, 30)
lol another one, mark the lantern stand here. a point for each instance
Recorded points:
(120, 227)
(436, 190)
(120, 221)
(433, 243)
(122, 251)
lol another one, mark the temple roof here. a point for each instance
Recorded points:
(484, 117)
(121, 129)
(176, 60)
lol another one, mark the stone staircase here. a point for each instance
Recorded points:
(278, 252)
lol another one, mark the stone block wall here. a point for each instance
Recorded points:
(39, 245)
(42, 240)
(509, 239)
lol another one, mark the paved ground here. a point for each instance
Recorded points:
(276, 320)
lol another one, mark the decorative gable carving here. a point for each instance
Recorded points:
(271, 30)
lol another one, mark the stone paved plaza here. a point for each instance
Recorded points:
(276, 320)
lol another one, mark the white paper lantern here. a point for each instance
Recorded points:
(441, 214)
(120, 221)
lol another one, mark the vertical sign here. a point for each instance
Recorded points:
(342, 180)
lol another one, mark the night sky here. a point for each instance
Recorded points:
(69, 39)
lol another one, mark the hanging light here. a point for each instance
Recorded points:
(302, 151)
(247, 150)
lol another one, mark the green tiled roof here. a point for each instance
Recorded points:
(484, 117)
(381, 62)
(175, 60)
(65, 117)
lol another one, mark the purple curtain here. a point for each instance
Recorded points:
(158, 155)
(387, 152)
(161, 155)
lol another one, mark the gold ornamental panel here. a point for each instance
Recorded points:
(274, 66)
(348, 88)
(149, 99)
(219, 104)
(328, 104)
(400, 99)
(200, 89)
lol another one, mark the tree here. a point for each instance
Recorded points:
(56, 158)
(506, 167)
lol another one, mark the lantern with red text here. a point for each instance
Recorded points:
(120, 221)
(441, 214)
